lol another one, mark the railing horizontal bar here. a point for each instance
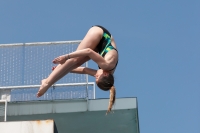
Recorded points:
(34, 86)
(40, 43)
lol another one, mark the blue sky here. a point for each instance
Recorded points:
(158, 43)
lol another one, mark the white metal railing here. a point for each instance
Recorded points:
(17, 62)
(74, 94)
(40, 43)
(37, 73)
(17, 54)
(36, 86)
(5, 109)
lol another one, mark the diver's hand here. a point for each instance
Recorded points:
(60, 59)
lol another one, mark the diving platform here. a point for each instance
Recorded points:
(77, 116)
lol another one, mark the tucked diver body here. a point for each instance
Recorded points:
(105, 45)
(97, 45)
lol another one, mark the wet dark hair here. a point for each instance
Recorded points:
(107, 83)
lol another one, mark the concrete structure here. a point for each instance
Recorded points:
(46, 126)
(79, 116)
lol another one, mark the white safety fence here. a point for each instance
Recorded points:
(24, 65)
(56, 92)
(29, 63)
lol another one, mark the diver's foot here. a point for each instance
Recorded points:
(43, 88)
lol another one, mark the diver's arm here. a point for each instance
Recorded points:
(84, 70)
(102, 63)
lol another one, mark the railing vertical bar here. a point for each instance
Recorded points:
(87, 97)
(5, 119)
(94, 93)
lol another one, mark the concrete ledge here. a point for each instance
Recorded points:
(67, 106)
(80, 116)
(45, 126)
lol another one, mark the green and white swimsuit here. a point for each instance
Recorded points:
(105, 45)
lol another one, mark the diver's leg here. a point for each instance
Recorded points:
(91, 40)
